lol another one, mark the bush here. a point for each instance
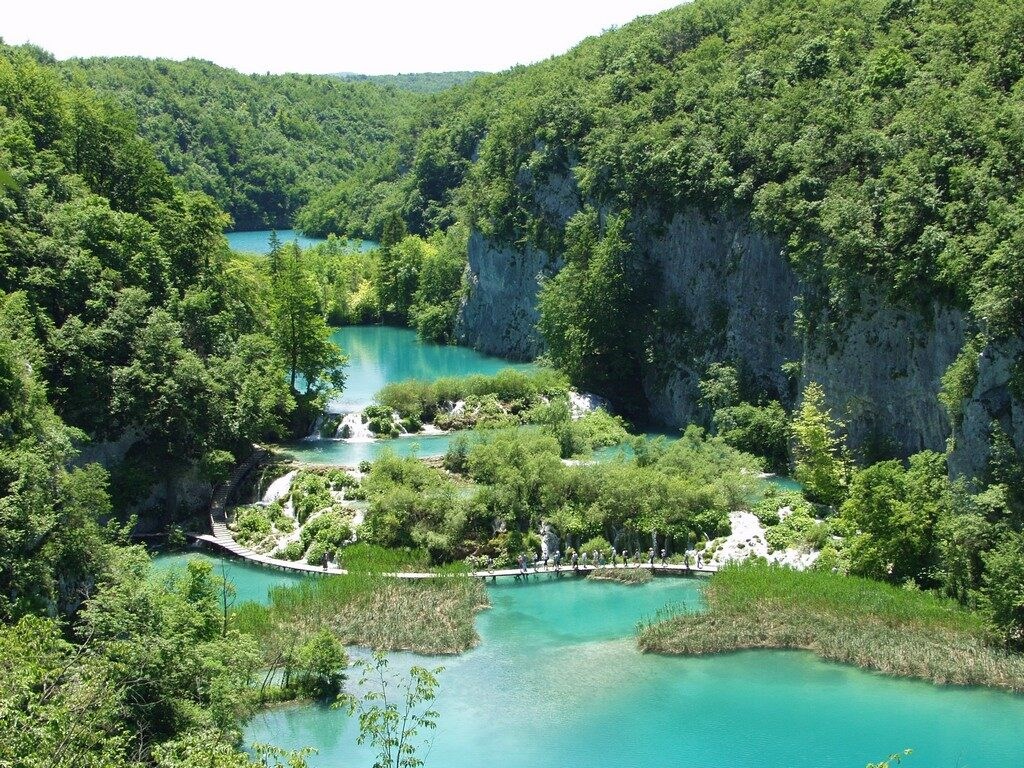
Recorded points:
(310, 493)
(317, 553)
(332, 529)
(380, 421)
(215, 466)
(252, 524)
(293, 551)
(597, 544)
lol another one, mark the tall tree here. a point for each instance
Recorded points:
(300, 331)
(822, 462)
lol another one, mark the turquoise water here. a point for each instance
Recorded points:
(259, 241)
(339, 453)
(556, 681)
(252, 582)
(380, 354)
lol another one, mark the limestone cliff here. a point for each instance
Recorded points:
(725, 291)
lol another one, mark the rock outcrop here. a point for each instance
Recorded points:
(726, 292)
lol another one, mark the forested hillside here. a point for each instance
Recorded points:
(415, 82)
(259, 145)
(875, 146)
(165, 355)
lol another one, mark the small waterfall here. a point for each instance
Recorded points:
(278, 489)
(354, 429)
(318, 423)
(398, 423)
(582, 403)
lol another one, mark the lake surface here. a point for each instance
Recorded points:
(258, 241)
(380, 355)
(557, 681)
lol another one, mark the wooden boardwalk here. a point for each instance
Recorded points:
(228, 545)
(222, 540)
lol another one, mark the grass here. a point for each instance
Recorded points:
(843, 619)
(622, 575)
(366, 608)
(428, 616)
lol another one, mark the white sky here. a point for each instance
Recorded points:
(319, 36)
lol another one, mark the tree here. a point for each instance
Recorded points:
(300, 332)
(761, 430)
(720, 387)
(322, 660)
(820, 455)
(1003, 587)
(892, 513)
(393, 714)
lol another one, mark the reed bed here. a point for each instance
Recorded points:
(367, 608)
(622, 575)
(843, 619)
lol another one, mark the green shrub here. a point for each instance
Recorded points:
(310, 493)
(331, 528)
(252, 524)
(294, 550)
(316, 553)
(597, 544)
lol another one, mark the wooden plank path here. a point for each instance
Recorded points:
(222, 540)
(228, 545)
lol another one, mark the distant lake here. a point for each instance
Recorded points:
(258, 241)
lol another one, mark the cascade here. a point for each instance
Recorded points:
(354, 430)
(278, 489)
(318, 423)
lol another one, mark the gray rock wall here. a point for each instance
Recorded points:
(498, 315)
(995, 399)
(730, 295)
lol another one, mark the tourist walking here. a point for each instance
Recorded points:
(664, 556)
(650, 557)
(583, 560)
(625, 558)
(558, 559)
(575, 560)
(614, 557)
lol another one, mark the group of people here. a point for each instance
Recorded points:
(596, 559)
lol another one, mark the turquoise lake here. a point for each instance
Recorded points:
(258, 241)
(379, 355)
(557, 681)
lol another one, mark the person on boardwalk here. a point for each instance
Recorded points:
(558, 559)
(686, 561)
(664, 556)
(583, 560)
(614, 557)
(698, 559)
(521, 562)
(650, 558)
(625, 558)
(575, 560)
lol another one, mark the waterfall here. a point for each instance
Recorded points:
(278, 489)
(318, 424)
(354, 430)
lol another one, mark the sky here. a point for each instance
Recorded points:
(319, 36)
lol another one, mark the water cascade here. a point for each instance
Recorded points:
(278, 489)
(353, 429)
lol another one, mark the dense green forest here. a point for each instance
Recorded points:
(415, 82)
(882, 141)
(260, 145)
(879, 139)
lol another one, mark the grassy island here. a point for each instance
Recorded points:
(905, 633)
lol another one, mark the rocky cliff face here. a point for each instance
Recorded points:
(725, 291)
(498, 315)
(997, 399)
